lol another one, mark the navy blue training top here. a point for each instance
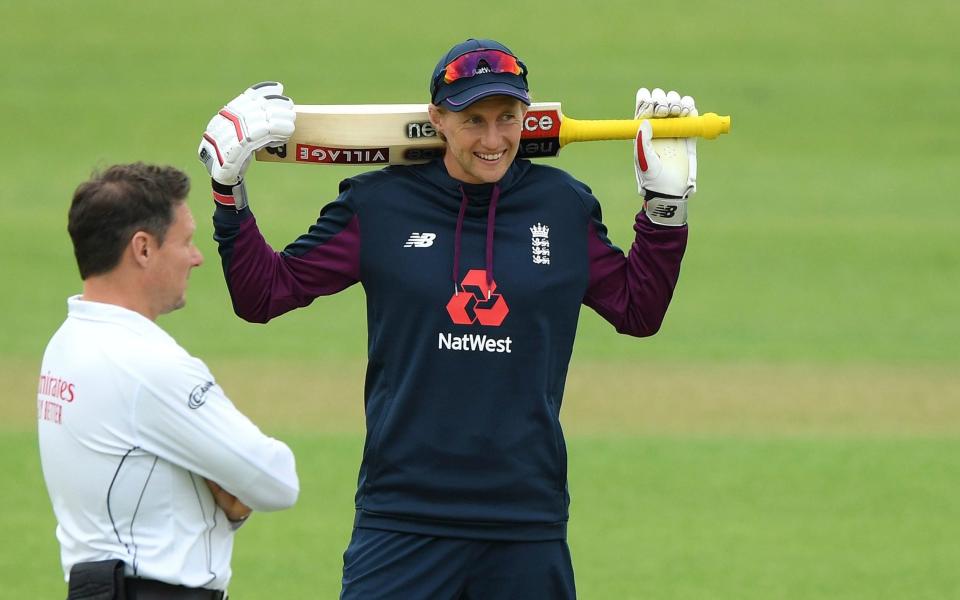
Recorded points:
(465, 370)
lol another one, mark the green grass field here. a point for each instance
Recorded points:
(797, 429)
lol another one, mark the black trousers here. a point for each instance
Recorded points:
(147, 589)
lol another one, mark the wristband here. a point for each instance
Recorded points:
(230, 196)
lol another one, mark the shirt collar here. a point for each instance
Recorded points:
(88, 310)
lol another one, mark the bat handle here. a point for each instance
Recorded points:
(708, 126)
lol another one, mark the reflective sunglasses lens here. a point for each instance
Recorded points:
(482, 61)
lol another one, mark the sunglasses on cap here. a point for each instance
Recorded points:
(479, 62)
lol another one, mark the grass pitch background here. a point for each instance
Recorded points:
(792, 432)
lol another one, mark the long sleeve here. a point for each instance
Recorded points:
(185, 418)
(264, 283)
(633, 292)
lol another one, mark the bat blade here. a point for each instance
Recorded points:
(397, 134)
(359, 134)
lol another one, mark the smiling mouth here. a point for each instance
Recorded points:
(489, 157)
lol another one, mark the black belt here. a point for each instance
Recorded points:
(148, 589)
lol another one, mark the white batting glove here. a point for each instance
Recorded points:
(260, 116)
(666, 167)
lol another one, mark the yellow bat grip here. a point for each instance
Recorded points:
(708, 125)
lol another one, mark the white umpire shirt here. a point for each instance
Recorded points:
(129, 425)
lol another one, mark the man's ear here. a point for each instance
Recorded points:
(141, 247)
(434, 114)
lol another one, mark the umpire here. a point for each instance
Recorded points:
(149, 466)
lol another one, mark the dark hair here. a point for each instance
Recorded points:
(114, 204)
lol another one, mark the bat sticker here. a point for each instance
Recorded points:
(342, 156)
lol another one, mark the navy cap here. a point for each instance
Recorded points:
(463, 92)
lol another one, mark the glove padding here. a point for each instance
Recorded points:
(666, 168)
(260, 116)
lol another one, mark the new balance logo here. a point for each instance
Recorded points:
(420, 240)
(665, 210)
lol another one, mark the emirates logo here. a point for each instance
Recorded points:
(476, 303)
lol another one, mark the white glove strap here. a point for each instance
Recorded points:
(670, 212)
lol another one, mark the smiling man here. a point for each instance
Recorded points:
(481, 124)
(475, 267)
(482, 139)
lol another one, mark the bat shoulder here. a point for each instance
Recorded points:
(369, 181)
(541, 174)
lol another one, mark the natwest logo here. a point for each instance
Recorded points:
(477, 304)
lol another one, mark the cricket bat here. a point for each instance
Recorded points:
(401, 134)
